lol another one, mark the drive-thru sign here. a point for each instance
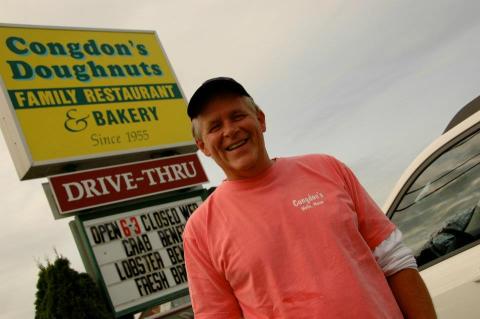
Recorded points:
(108, 185)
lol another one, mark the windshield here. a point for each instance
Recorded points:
(436, 211)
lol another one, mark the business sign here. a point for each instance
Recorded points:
(139, 253)
(79, 94)
(102, 186)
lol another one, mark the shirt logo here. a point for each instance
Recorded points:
(309, 201)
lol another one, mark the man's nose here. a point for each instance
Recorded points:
(230, 129)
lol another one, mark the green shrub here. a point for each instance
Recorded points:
(62, 292)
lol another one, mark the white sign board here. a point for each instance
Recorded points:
(139, 253)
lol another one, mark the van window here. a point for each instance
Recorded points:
(440, 211)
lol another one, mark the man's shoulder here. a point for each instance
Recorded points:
(315, 164)
(198, 218)
(208, 216)
(194, 222)
(312, 159)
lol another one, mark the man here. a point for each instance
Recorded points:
(288, 237)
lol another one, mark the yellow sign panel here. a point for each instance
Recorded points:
(79, 93)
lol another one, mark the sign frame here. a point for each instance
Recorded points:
(91, 263)
(28, 168)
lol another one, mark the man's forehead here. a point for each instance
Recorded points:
(224, 106)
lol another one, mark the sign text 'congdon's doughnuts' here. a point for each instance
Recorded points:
(85, 97)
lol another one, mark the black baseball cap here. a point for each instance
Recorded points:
(213, 88)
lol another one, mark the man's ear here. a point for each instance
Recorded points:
(201, 147)
(261, 120)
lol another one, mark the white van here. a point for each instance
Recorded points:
(436, 205)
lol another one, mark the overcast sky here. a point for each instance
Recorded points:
(370, 82)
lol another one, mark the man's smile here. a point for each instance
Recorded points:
(236, 145)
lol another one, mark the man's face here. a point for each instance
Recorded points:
(231, 132)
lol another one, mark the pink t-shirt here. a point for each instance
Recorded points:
(294, 242)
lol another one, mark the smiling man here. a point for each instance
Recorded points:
(231, 130)
(294, 237)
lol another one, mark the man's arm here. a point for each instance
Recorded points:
(400, 269)
(393, 257)
(210, 292)
(411, 294)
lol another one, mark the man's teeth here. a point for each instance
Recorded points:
(234, 146)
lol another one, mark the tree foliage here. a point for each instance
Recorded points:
(62, 292)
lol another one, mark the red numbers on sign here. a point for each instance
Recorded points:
(136, 225)
(125, 228)
(128, 224)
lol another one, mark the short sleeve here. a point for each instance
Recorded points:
(211, 294)
(374, 226)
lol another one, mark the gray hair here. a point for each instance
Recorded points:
(196, 125)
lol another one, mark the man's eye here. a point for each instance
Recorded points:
(214, 128)
(240, 116)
